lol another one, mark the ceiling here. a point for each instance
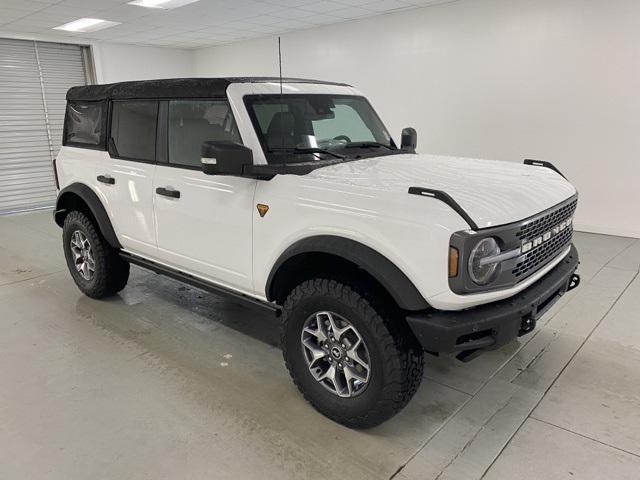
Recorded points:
(203, 23)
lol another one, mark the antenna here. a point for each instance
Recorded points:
(284, 155)
(280, 65)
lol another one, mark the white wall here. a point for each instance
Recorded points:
(120, 62)
(507, 79)
(117, 62)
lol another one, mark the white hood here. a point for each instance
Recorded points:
(491, 192)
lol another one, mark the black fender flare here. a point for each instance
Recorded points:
(375, 264)
(89, 197)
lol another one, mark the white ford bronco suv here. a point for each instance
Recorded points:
(292, 196)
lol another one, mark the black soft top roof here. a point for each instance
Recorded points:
(172, 88)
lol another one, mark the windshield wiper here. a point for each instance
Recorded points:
(307, 150)
(368, 145)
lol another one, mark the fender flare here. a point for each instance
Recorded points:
(89, 197)
(375, 264)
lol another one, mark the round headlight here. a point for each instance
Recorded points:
(483, 274)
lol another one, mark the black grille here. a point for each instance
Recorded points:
(512, 236)
(540, 255)
(537, 227)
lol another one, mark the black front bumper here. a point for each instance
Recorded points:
(469, 332)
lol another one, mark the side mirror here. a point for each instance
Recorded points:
(409, 140)
(226, 158)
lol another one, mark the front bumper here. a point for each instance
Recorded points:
(485, 327)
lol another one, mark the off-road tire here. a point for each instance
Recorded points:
(111, 271)
(397, 362)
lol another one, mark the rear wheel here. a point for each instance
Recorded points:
(354, 361)
(95, 266)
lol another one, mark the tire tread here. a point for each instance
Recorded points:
(400, 349)
(112, 272)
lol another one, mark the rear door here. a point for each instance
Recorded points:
(203, 222)
(125, 178)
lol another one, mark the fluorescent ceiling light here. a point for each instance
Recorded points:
(86, 25)
(164, 4)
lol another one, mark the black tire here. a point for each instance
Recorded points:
(396, 358)
(111, 271)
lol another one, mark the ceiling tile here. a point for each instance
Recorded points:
(352, 12)
(25, 6)
(353, 3)
(387, 6)
(292, 13)
(264, 20)
(290, 3)
(206, 22)
(323, 7)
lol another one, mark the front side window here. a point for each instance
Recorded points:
(192, 122)
(313, 127)
(133, 129)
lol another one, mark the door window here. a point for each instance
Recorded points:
(133, 129)
(192, 122)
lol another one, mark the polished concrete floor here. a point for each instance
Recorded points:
(168, 382)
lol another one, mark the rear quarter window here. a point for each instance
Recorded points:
(85, 125)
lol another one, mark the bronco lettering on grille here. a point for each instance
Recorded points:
(539, 240)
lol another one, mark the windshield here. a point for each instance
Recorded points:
(308, 128)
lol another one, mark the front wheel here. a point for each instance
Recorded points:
(354, 362)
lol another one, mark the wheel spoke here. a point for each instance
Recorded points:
(352, 374)
(322, 326)
(317, 332)
(337, 331)
(355, 356)
(316, 353)
(330, 375)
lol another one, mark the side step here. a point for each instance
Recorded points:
(199, 283)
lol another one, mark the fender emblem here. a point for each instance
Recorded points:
(262, 209)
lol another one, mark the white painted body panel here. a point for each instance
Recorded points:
(208, 230)
(364, 201)
(492, 192)
(130, 203)
(214, 230)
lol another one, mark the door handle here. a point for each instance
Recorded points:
(106, 179)
(168, 192)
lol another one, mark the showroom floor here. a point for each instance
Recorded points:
(166, 382)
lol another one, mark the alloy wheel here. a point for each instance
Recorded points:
(336, 354)
(83, 255)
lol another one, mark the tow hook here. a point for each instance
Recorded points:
(527, 325)
(574, 282)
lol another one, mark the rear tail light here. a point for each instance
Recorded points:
(55, 174)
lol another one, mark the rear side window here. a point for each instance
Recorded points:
(85, 124)
(192, 122)
(133, 129)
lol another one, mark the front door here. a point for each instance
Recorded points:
(203, 222)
